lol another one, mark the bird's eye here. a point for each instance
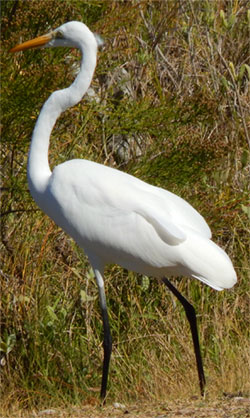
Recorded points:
(59, 35)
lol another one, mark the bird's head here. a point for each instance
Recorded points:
(71, 34)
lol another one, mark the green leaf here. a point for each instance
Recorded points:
(232, 68)
(246, 210)
(10, 343)
(231, 20)
(244, 158)
(145, 283)
(86, 298)
(52, 314)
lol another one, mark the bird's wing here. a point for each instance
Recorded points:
(109, 191)
(119, 191)
(167, 230)
(183, 213)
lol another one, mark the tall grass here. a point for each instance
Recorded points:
(170, 106)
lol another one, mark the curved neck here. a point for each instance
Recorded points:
(38, 165)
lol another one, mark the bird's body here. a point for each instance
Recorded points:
(117, 218)
(113, 216)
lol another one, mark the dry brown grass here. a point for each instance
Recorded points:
(183, 111)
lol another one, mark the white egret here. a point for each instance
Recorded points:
(113, 216)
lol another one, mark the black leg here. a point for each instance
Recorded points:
(191, 316)
(107, 339)
(107, 347)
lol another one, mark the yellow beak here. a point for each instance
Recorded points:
(33, 43)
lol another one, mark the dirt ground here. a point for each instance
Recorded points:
(237, 407)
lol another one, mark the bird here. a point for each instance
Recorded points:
(113, 216)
